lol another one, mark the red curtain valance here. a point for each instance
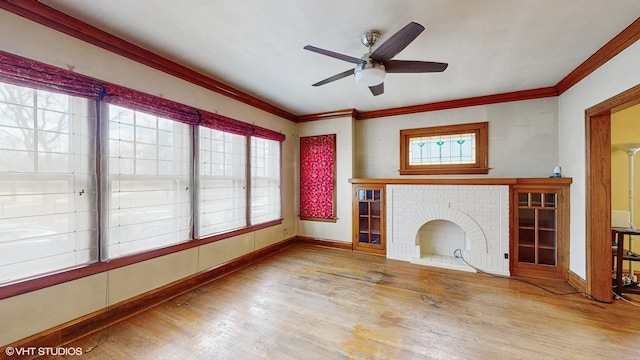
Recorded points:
(226, 124)
(223, 123)
(150, 104)
(25, 72)
(20, 71)
(268, 134)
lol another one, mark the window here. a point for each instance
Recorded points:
(265, 180)
(47, 182)
(148, 199)
(454, 149)
(80, 187)
(222, 181)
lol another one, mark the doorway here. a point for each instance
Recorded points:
(598, 202)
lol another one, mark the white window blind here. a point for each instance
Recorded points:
(147, 201)
(48, 219)
(265, 180)
(222, 203)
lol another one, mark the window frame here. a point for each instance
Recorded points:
(481, 165)
(199, 214)
(74, 198)
(100, 265)
(49, 78)
(112, 250)
(254, 178)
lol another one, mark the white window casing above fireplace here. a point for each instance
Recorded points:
(481, 211)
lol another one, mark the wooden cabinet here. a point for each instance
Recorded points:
(539, 246)
(369, 219)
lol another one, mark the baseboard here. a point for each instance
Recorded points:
(325, 242)
(577, 282)
(96, 321)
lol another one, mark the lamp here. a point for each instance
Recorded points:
(369, 73)
(631, 149)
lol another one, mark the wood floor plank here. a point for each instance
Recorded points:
(310, 302)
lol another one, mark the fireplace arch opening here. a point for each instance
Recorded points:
(441, 237)
(438, 239)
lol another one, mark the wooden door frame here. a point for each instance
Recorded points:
(598, 191)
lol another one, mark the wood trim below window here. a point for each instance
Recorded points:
(25, 286)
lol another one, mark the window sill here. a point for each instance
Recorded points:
(29, 285)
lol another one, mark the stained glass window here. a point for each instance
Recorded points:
(443, 149)
(451, 149)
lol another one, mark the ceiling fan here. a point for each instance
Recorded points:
(371, 68)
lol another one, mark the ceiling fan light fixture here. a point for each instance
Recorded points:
(370, 74)
(371, 68)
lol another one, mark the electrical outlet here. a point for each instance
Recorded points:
(506, 255)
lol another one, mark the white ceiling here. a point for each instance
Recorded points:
(492, 46)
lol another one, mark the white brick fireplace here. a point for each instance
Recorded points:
(480, 214)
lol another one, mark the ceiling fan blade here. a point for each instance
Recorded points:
(334, 77)
(397, 42)
(377, 90)
(336, 55)
(410, 66)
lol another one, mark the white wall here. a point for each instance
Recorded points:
(523, 142)
(523, 138)
(619, 74)
(344, 129)
(30, 313)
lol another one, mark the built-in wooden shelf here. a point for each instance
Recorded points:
(539, 236)
(369, 233)
(466, 181)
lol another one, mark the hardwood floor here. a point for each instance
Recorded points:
(309, 302)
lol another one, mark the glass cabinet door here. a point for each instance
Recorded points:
(369, 215)
(369, 219)
(536, 228)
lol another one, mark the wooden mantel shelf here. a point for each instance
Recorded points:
(467, 181)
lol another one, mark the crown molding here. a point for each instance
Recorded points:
(328, 115)
(47, 16)
(623, 40)
(57, 20)
(453, 104)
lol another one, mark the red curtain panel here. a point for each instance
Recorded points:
(317, 177)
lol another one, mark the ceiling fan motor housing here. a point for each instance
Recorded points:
(370, 38)
(370, 73)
